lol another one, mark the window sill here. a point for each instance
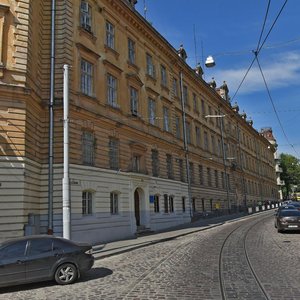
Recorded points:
(91, 97)
(151, 78)
(86, 33)
(133, 66)
(115, 107)
(111, 50)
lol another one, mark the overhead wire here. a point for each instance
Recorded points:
(260, 46)
(274, 108)
(264, 24)
(256, 53)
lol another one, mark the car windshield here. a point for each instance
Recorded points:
(288, 207)
(289, 213)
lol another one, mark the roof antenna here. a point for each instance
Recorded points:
(195, 45)
(145, 10)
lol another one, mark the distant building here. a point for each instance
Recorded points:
(134, 102)
(267, 132)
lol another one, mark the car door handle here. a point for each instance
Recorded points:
(19, 262)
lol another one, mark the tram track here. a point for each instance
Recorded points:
(239, 292)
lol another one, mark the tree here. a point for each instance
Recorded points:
(290, 172)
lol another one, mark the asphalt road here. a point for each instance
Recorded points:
(244, 259)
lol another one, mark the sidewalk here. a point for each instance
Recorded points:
(117, 247)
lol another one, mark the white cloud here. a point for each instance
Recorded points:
(280, 71)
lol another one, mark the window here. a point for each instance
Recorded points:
(163, 74)
(88, 143)
(198, 136)
(203, 108)
(228, 182)
(134, 101)
(131, 51)
(219, 148)
(40, 246)
(156, 203)
(195, 102)
(113, 150)
(86, 77)
(208, 177)
(217, 178)
(87, 201)
(150, 66)
(192, 173)
(175, 87)
(201, 176)
(223, 180)
(166, 203)
(110, 35)
(171, 204)
(181, 170)
(114, 203)
(206, 147)
(213, 144)
(155, 163)
(178, 127)
(15, 250)
(166, 119)
(136, 163)
(151, 111)
(185, 95)
(188, 132)
(169, 160)
(112, 90)
(183, 204)
(210, 112)
(194, 204)
(86, 16)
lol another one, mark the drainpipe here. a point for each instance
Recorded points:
(51, 122)
(186, 151)
(66, 178)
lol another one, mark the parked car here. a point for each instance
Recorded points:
(43, 257)
(287, 219)
(282, 207)
(295, 204)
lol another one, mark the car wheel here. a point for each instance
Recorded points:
(66, 274)
(279, 230)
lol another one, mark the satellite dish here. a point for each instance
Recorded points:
(210, 62)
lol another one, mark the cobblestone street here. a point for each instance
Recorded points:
(245, 259)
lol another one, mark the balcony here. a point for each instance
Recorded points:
(278, 169)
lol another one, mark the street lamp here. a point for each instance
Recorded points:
(224, 156)
(210, 62)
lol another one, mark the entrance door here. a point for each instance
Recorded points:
(137, 208)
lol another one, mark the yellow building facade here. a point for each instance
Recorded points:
(152, 144)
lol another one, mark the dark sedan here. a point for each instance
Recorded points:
(287, 219)
(284, 207)
(43, 257)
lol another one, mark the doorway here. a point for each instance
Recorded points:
(137, 208)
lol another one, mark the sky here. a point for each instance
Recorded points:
(230, 31)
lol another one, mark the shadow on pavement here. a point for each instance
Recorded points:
(92, 274)
(95, 273)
